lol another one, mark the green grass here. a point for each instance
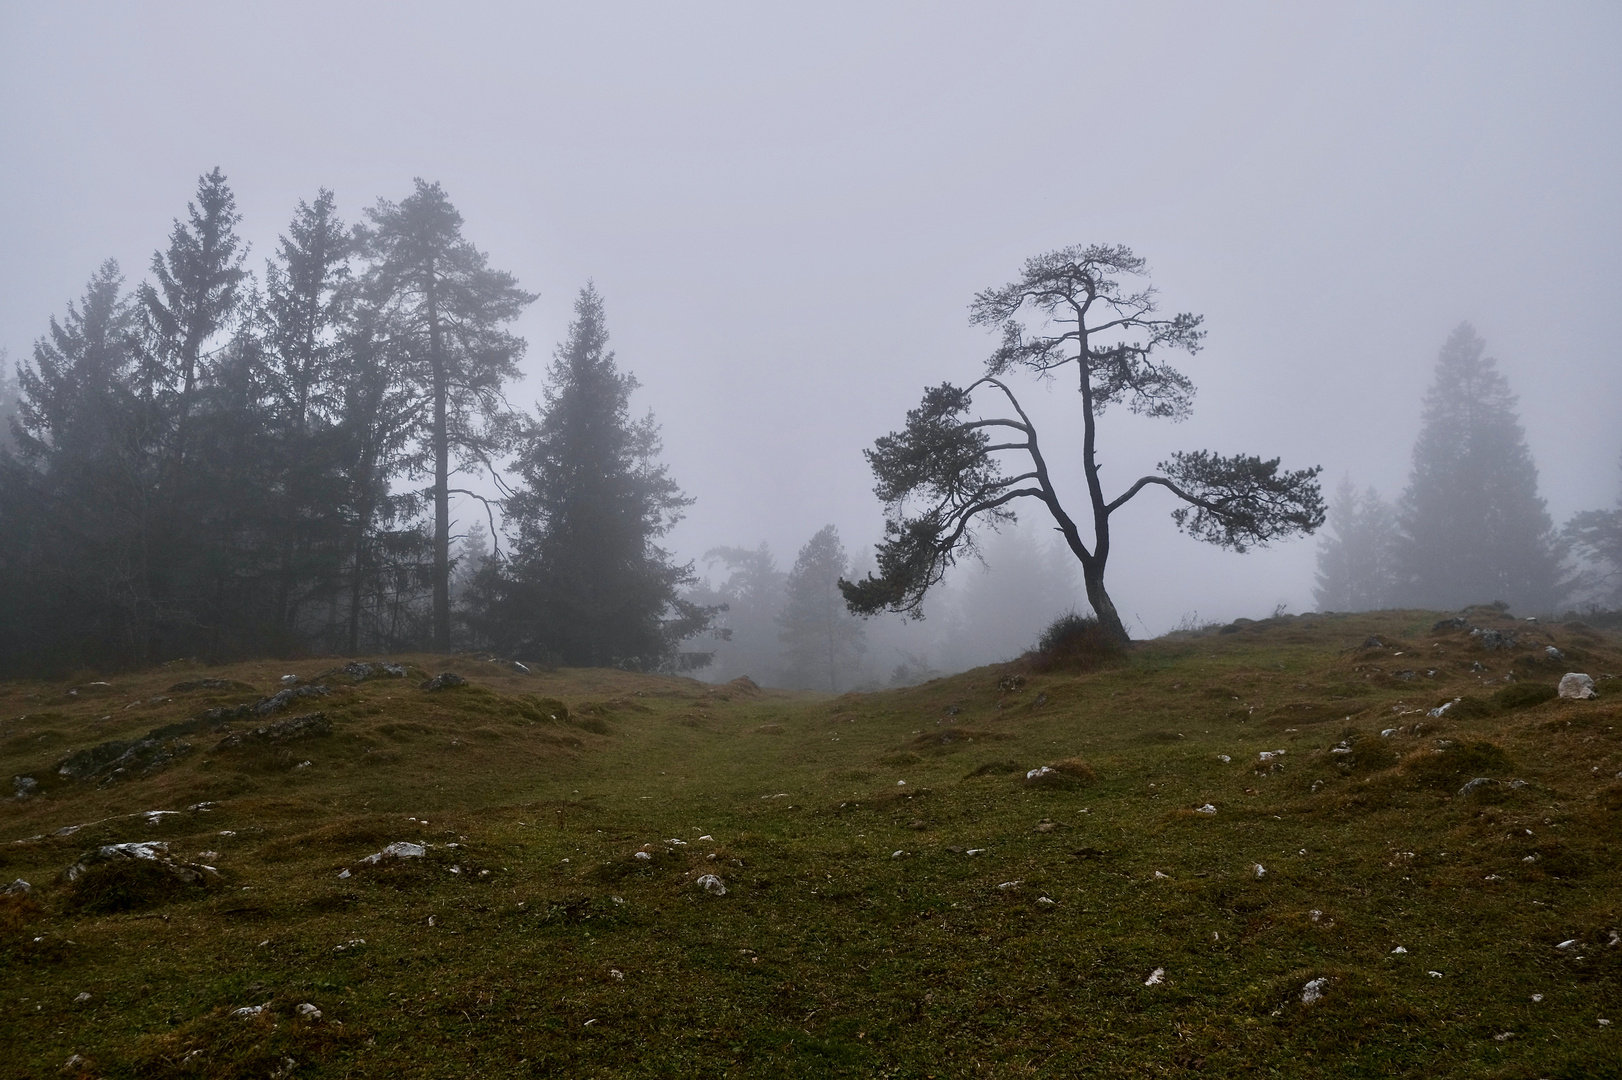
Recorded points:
(830, 955)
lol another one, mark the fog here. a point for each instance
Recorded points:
(787, 214)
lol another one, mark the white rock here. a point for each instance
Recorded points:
(678, 843)
(1388, 732)
(1206, 809)
(309, 1011)
(1224, 758)
(248, 1012)
(900, 783)
(1314, 990)
(1536, 998)
(1005, 886)
(707, 836)
(1261, 871)
(344, 873)
(17, 888)
(712, 885)
(641, 855)
(1046, 901)
(82, 998)
(1156, 977)
(1434, 974)
(1162, 877)
(616, 973)
(975, 851)
(400, 849)
(1398, 951)
(1035, 774)
(897, 854)
(1569, 943)
(1576, 685)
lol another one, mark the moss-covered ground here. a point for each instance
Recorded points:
(900, 899)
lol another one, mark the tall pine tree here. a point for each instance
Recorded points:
(450, 312)
(588, 585)
(1473, 526)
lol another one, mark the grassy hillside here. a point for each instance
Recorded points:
(900, 898)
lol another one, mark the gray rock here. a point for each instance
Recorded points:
(444, 681)
(24, 786)
(1553, 653)
(1577, 686)
(1477, 784)
(18, 888)
(294, 727)
(712, 885)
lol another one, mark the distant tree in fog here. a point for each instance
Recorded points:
(752, 594)
(8, 401)
(941, 477)
(449, 310)
(1473, 527)
(587, 583)
(1596, 537)
(1355, 571)
(822, 642)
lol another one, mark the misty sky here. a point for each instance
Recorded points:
(788, 207)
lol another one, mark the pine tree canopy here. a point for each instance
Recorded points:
(1474, 528)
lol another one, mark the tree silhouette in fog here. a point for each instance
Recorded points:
(587, 583)
(1473, 528)
(941, 477)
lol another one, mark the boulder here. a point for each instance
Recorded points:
(1577, 686)
(444, 681)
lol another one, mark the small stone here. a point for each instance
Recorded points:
(1005, 886)
(1398, 951)
(1314, 990)
(82, 998)
(897, 854)
(617, 974)
(309, 1011)
(1208, 808)
(712, 885)
(1224, 758)
(289, 680)
(17, 888)
(642, 855)
(1553, 653)
(1536, 998)
(1162, 877)
(444, 681)
(975, 851)
(343, 874)
(247, 1012)
(1156, 977)
(1261, 871)
(1046, 901)
(1569, 943)
(706, 836)
(1434, 974)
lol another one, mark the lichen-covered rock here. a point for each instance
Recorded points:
(444, 681)
(294, 727)
(1576, 686)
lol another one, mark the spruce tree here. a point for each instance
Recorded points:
(1473, 528)
(822, 641)
(587, 584)
(752, 597)
(1355, 571)
(449, 311)
(1596, 536)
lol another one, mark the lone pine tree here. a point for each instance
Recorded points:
(941, 476)
(1473, 526)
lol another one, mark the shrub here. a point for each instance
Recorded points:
(1522, 695)
(1072, 641)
